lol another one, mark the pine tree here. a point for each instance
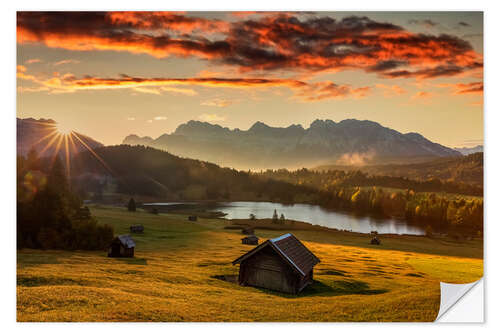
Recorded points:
(275, 216)
(131, 205)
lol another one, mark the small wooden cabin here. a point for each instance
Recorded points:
(282, 264)
(122, 246)
(137, 228)
(250, 240)
(193, 218)
(375, 241)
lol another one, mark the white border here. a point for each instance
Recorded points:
(492, 142)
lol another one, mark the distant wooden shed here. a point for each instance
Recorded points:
(122, 246)
(193, 218)
(250, 240)
(137, 228)
(282, 264)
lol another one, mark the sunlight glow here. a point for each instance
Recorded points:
(60, 141)
(64, 129)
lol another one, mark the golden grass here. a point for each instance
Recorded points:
(171, 277)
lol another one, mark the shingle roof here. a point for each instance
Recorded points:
(290, 249)
(127, 241)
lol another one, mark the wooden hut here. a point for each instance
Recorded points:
(193, 218)
(250, 240)
(375, 241)
(282, 264)
(137, 228)
(122, 246)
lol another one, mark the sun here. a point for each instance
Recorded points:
(64, 129)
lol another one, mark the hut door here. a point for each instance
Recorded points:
(115, 249)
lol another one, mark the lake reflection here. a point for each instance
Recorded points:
(316, 215)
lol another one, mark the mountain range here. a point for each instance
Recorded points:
(42, 135)
(348, 142)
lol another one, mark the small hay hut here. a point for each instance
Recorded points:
(250, 240)
(282, 264)
(193, 218)
(122, 246)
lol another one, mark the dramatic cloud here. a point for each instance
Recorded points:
(165, 20)
(469, 88)
(302, 91)
(433, 72)
(273, 42)
(329, 90)
(472, 88)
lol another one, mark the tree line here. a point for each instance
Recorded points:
(322, 180)
(433, 212)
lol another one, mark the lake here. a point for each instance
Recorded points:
(301, 212)
(316, 215)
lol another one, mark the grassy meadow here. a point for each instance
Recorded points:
(175, 276)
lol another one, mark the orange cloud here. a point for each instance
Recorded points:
(475, 88)
(271, 42)
(217, 102)
(32, 61)
(305, 92)
(66, 61)
(471, 88)
(422, 95)
(166, 20)
(391, 90)
(328, 90)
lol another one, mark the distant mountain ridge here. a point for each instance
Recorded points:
(41, 135)
(349, 141)
(471, 150)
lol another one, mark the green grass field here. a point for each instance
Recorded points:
(171, 277)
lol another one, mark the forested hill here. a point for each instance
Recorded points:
(151, 172)
(465, 169)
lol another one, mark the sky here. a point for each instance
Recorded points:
(111, 74)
